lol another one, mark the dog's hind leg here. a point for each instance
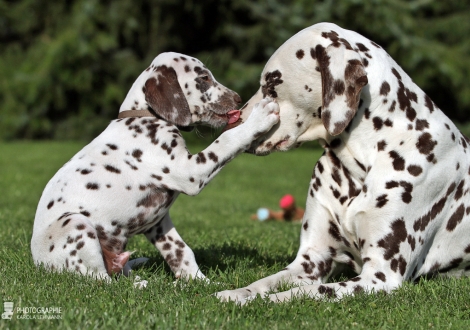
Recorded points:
(71, 243)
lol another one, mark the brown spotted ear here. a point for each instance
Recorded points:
(164, 95)
(343, 77)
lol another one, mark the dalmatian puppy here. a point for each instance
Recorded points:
(389, 197)
(124, 182)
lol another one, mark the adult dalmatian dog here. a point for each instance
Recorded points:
(124, 182)
(390, 195)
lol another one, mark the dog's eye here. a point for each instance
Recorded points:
(205, 78)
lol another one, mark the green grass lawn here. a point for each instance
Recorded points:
(231, 249)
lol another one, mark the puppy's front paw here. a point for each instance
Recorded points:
(265, 115)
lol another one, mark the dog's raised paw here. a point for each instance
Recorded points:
(265, 115)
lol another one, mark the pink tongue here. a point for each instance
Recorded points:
(233, 116)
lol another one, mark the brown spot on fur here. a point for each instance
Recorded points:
(334, 159)
(336, 176)
(334, 231)
(92, 186)
(421, 124)
(85, 213)
(456, 218)
(398, 265)
(425, 143)
(428, 103)
(412, 242)
(398, 161)
(396, 74)
(201, 158)
(414, 170)
(459, 192)
(385, 88)
(381, 145)
(362, 47)
(358, 289)
(112, 169)
(391, 242)
(391, 184)
(101, 233)
(378, 123)
(467, 249)
(158, 177)
(388, 122)
(381, 201)
(330, 292)
(431, 158)
(272, 80)
(166, 246)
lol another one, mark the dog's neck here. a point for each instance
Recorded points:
(354, 148)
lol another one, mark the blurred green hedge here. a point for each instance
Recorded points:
(65, 66)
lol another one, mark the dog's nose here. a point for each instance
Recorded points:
(237, 99)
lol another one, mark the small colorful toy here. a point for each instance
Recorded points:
(289, 212)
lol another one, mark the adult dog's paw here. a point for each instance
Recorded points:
(239, 296)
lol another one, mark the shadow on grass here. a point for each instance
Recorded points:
(225, 257)
(229, 257)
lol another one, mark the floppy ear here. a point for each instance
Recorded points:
(164, 95)
(343, 76)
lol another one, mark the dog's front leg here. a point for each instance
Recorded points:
(174, 250)
(314, 262)
(193, 172)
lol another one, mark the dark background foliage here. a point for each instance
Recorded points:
(66, 66)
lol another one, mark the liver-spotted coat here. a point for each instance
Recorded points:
(390, 195)
(124, 182)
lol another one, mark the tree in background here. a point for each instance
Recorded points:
(66, 66)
